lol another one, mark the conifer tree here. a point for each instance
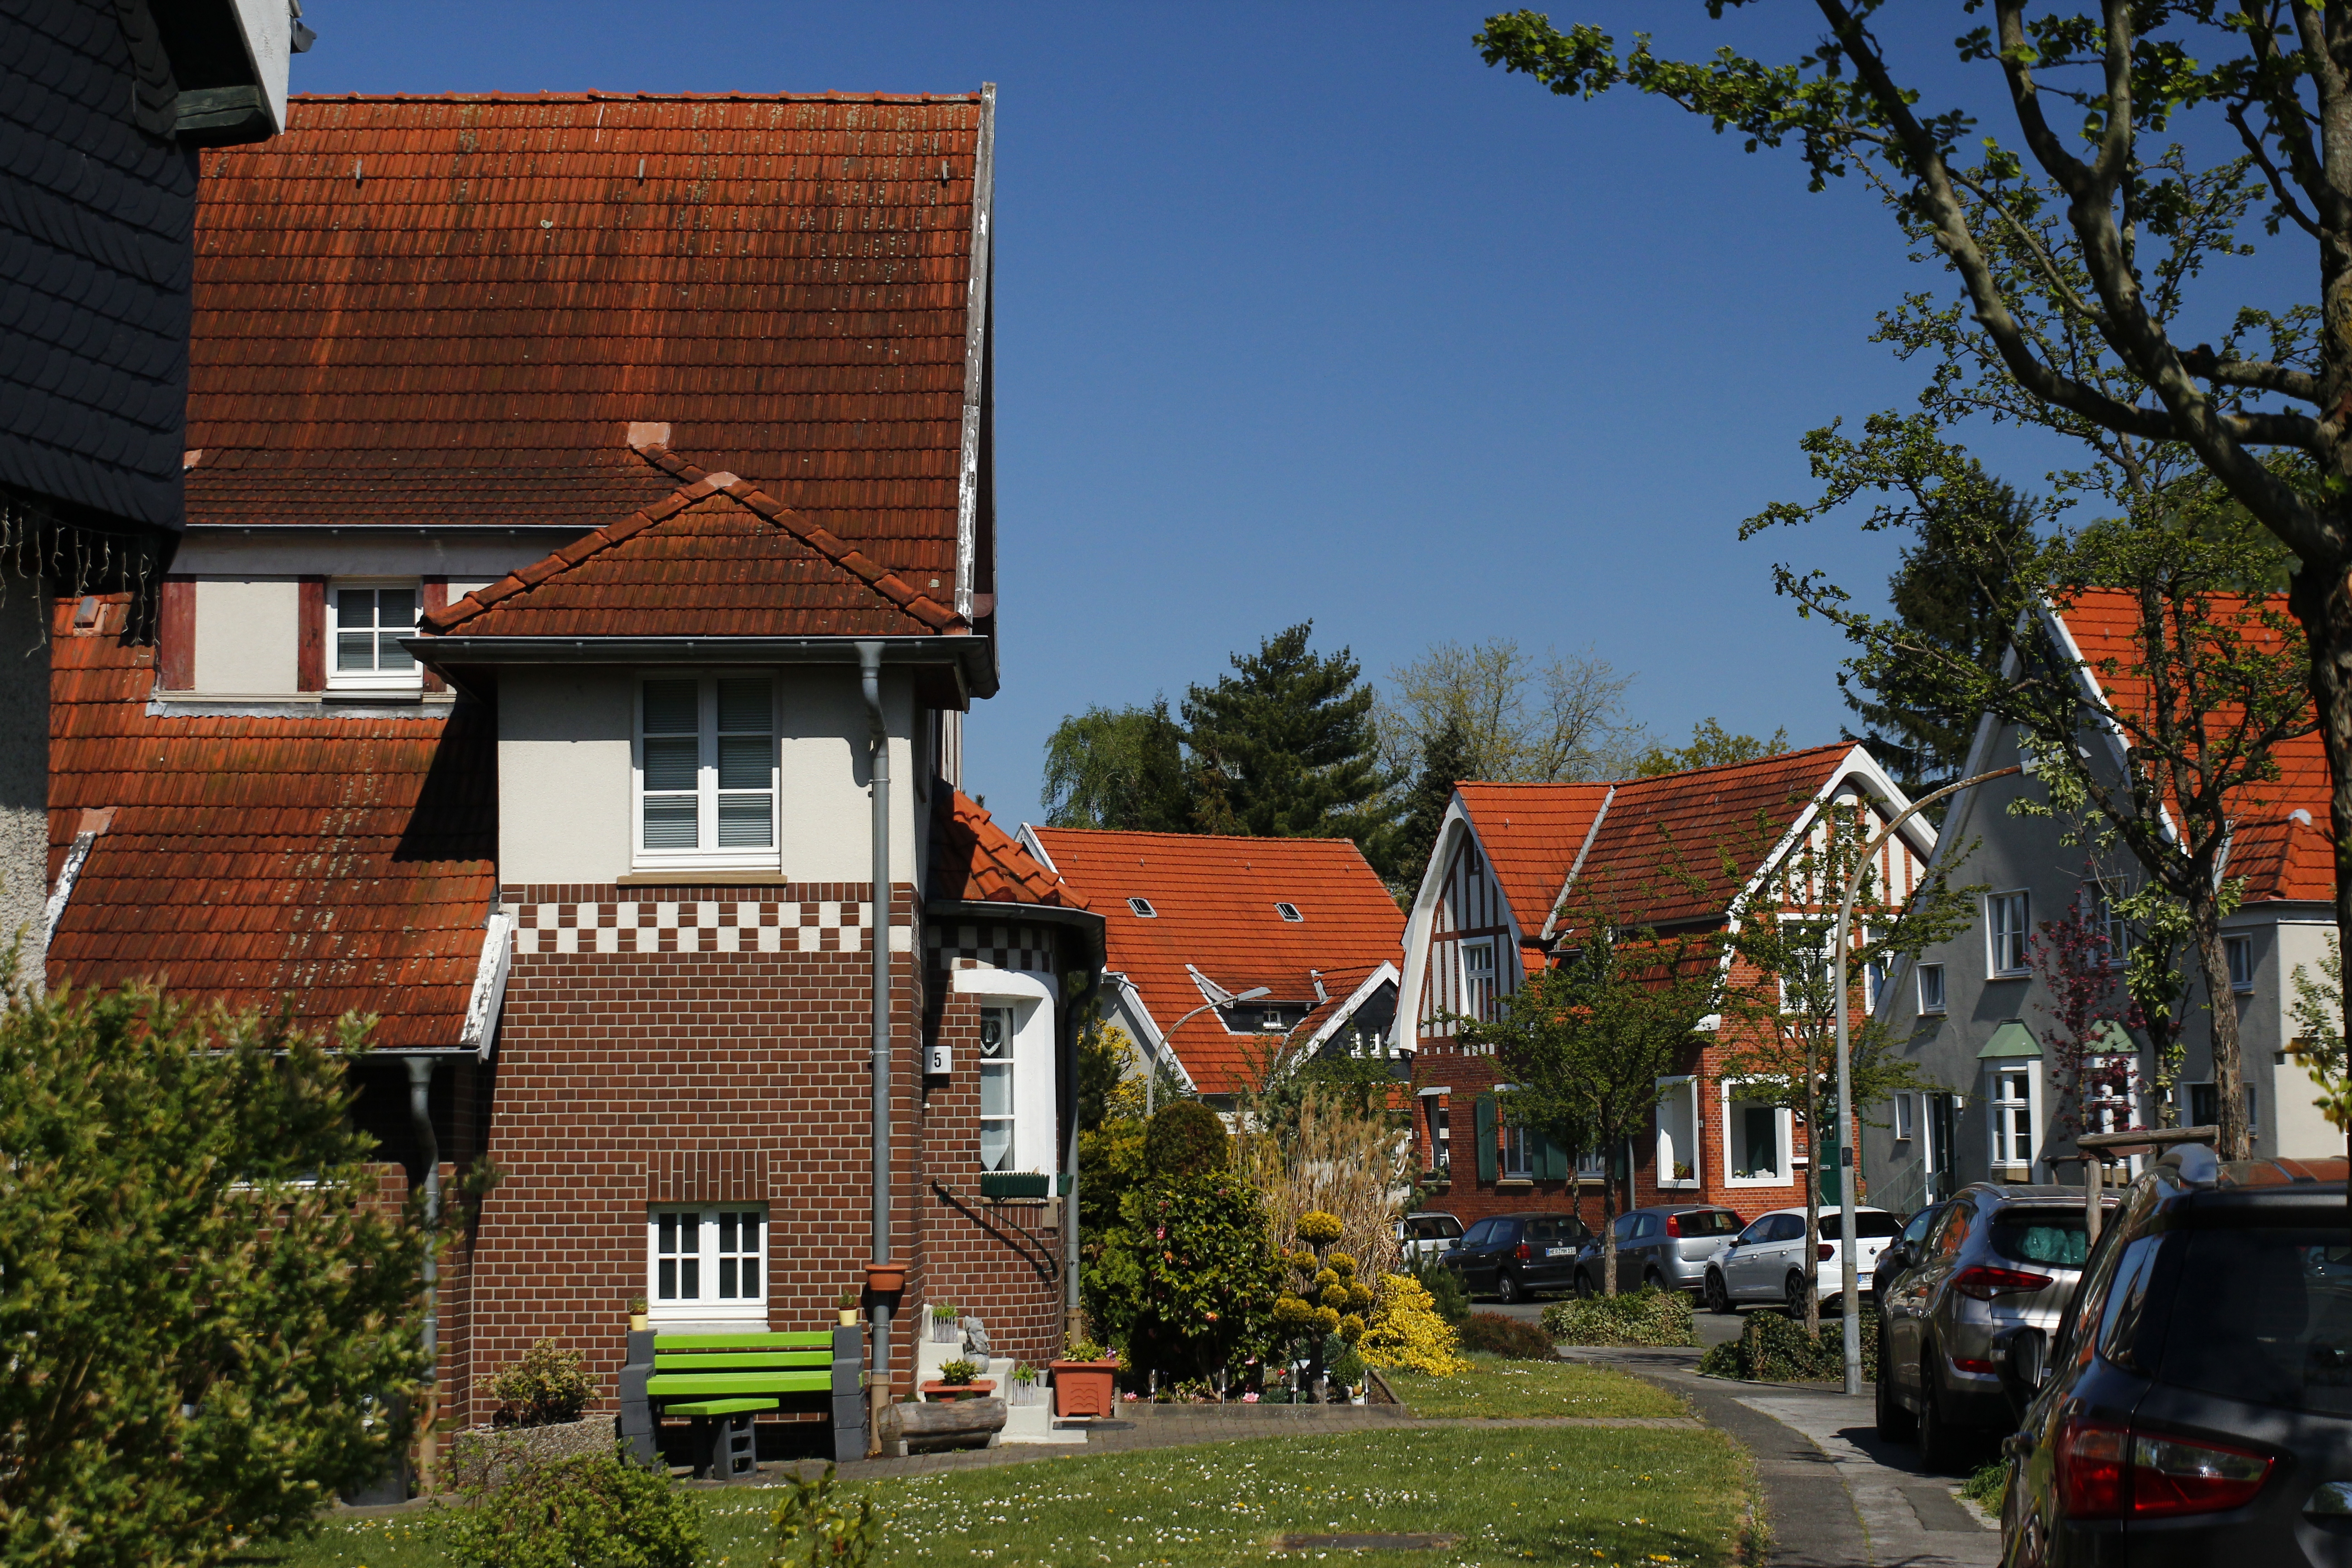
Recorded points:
(1285, 748)
(1445, 759)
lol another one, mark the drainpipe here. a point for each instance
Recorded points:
(869, 680)
(420, 1115)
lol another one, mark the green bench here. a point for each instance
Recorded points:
(721, 1382)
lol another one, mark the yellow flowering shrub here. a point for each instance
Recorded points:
(1406, 1332)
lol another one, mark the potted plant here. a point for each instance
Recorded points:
(1084, 1380)
(541, 1417)
(639, 1322)
(847, 1303)
(959, 1379)
(946, 1325)
(1025, 1388)
(1348, 1376)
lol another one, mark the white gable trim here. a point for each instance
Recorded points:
(1860, 767)
(1551, 920)
(489, 994)
(1451, 832)
(1386, 973)
(1027, 839)
(1159, 1049)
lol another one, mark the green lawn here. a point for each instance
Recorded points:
(1598, 1498)
(1494, 1386)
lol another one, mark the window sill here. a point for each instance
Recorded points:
(1788, 1181)
(704, 877)
(1514, 1183)
(2009, 974)
(1680, 1183)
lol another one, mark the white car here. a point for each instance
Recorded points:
(1423, 1236)
(1765, 1262)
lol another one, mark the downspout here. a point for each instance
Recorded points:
(420, 1116)
(869, 680)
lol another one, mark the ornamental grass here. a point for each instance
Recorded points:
(1341, 1160)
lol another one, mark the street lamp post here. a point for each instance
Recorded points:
(1849, 1280)
(1152, 1067)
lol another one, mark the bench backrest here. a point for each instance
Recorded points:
(742, 1353)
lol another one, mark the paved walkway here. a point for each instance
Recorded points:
(1835, 1497)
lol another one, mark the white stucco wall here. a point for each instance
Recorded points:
(2298, 1129)
(248, 632)
(565, 784)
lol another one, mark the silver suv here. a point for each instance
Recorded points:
(1993, 1257)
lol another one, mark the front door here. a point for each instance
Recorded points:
(1943, 1145)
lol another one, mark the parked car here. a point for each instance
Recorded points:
(1424, 1236)
(2195, 1406)
(1994, 1257)
(1667, 1245)
(1765, 1262)
(1514, 1256)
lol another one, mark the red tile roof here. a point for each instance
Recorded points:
(2279, 856)
(450, 309)
(346, 862)
(1213, 897)
(975, 861)
(1531, 833)
(717, 557)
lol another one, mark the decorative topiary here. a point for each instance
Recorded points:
(1326, 1320)
(1342, 1265)
(1352, 1328)
(1359, 1299)
(1317, 1229)
(1186, 1139)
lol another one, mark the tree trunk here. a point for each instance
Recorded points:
(2221, 1002)
(1607, 1229)
(2321, 597)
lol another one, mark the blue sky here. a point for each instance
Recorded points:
(1304, 312)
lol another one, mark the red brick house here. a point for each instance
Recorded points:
(1685, 854)
(589, 564)
(1193, 921)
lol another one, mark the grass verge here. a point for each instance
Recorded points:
(1600, 1497)
(1494, 1386)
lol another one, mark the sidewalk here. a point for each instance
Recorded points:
(1835, 1496)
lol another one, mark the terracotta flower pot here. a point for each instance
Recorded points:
(886, 1279)
(978, 1388)
(1084, 1387)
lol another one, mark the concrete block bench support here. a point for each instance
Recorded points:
(721, 1382)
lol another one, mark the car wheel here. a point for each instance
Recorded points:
(1652, 1280)
(1585, 1288)
(1508, 1287)
(1895, 1424)
(1793, 1293)
(1718, 1297)
(1939, 1444)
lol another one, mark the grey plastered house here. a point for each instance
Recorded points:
(1978, 1019)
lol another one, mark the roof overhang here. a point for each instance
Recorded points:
(1087, 925)
(966, 655)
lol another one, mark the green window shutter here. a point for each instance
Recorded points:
(1485, 1120)
(1555, 1162)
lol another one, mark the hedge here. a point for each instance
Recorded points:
(1645, 1317)
(1773, 1348)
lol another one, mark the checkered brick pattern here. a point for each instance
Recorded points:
(714, 925)
(998, 946)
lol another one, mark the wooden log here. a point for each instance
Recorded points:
(952, 1424)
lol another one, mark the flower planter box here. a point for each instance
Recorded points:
(1013, 1184)
(978, 1388)
(1085, 1387)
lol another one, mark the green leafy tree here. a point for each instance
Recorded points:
(1584, 1043)
(1120, 768)
(1195, 1276)
(1446, 760)
(1711, 746)
(2077, 253)
(2318, 1044)
(213, 1324)
(1785, 1000)
(1287, 747)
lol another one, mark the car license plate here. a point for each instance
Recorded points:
(1556, 1251)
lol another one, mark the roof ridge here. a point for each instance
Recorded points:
(600, 95)
(1840, 746)
(697, 484)
(1192, 837)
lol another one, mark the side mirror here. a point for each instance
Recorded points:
(1897, 1255)
(2018, 1357)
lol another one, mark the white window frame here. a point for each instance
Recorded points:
(1006, 1063)
(1906, 1117)
(2103, 914)
(1998, 1108)
(377, 679)
(1288, 912)
(1943, 994)
(2239, 948)
(707, 1305)
(1784, 1130)
(708, 852)
(1474, 1004)
(1031, 997)
(1828, 935)
(1684, 1091)
(2019, 901)
(1518, 1163)
(1440, 1117)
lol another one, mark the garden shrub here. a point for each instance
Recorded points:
(1194, 1277)
(1446, 1291)
(1186, 1139)
(604, 1511)
(1774, 1348)
(1498, 1335)
(1645, 1317)
(1405, 1330)
(815, 1528)
(548, 1387)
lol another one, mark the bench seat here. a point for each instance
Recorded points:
(719, 1408)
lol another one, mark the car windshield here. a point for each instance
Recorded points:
(2264, 1315)
(1436, 1227)
(1707, 1222)
(1867, 1224)
(2054, 1237)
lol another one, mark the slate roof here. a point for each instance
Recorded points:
(975, 861)
(2280, 857)
(1214, 898)
(449, 309)
(1531, 833)
(716, 557)
(346, 861)
(96, 220)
